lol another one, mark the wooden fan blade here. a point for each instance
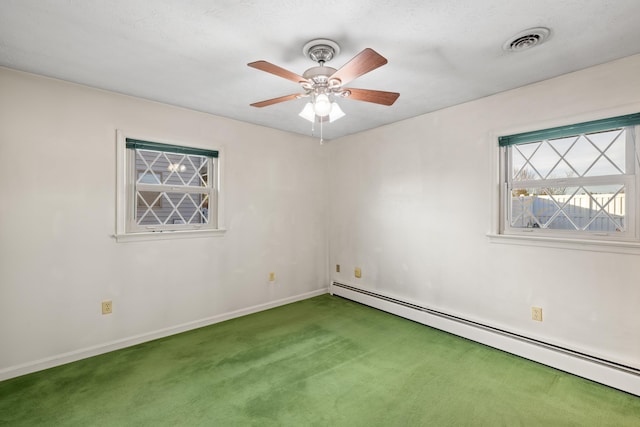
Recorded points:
(275, 100)
(278, 71)
(365, 61)
(375, 96)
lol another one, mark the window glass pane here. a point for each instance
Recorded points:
(612, 158)
(147, 208)
(199, 165)
(523, 208)
(151, 199)
(602, 140)
(598, 208)
(595, 154)
(202, 215)
(607, 207)
(176, 168)
(171, 168)
(528, 149)
(171, 208)
(202, 176)
(567, 215)
(562, 145)
(518, 163)
(563, 170)
(582, 155)
(148, 172)
(520, 155)
(603, 166)
(544, 160)
(525, 174)
(149, 177)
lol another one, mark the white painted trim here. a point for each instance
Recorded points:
(610, 376)
(613, 246)
(73, 356)
(168, 235)
(121, 183)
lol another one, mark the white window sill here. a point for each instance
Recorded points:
(566, 243)
(168, 235)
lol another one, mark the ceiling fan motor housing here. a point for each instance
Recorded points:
(319, 75)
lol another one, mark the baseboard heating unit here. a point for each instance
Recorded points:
(606, 372)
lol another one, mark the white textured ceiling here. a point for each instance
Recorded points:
(193, 53)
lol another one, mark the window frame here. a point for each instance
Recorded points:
(126, 203)
(629, 180)
(588, 241)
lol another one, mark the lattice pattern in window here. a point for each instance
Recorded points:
(593, 154)
(552, 166)
(582, 183)
(171, 189)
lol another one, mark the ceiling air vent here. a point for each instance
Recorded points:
(526, 39)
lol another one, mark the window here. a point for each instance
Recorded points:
(166, 189)
(577, 181)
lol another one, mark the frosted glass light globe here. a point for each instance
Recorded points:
(322, 106)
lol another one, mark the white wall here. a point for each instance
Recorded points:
(58, 259)
(411, 204)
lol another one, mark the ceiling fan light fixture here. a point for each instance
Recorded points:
(322, 105)
(308, 113)
(336, 112)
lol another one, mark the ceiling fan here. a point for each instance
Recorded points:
(323, 85)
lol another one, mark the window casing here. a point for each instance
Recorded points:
(576, 182)
(166, 190)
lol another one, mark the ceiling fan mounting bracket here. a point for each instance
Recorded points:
(321, 50)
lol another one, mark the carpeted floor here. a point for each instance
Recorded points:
(324, 361)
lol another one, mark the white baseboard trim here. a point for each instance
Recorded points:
(72, 356)
(581, 366)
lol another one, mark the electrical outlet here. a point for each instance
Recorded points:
(358, 272)
(272, 276)
(107, 307)
(337, 268)
(536, 314)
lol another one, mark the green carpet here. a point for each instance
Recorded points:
(324, 361)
